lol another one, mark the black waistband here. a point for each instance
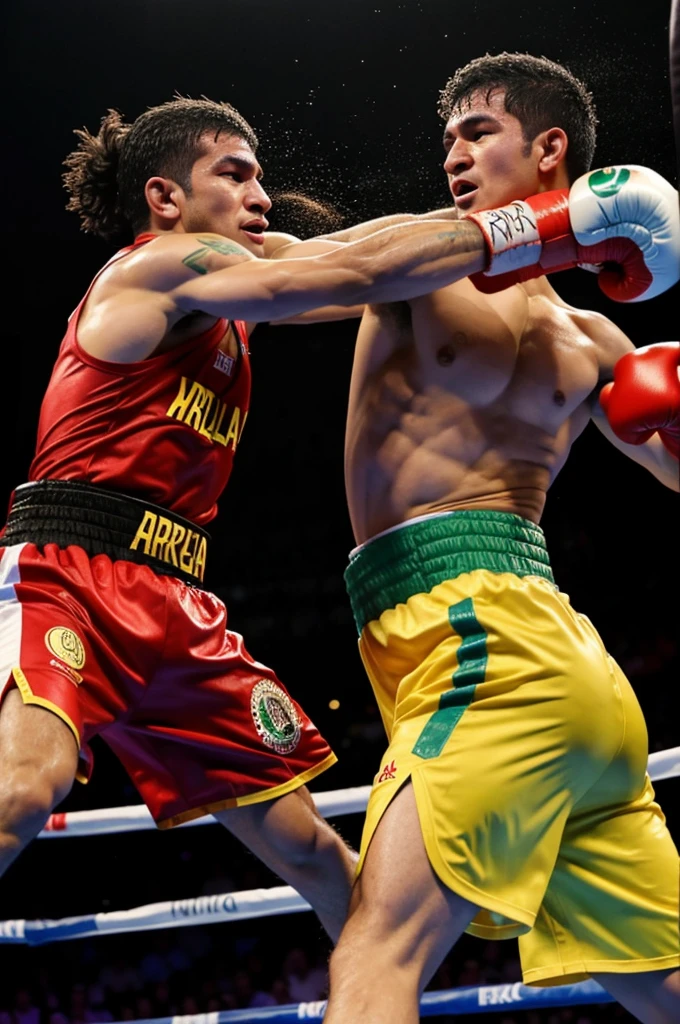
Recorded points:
(104, 522)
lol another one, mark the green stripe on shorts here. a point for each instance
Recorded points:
(418, 556)
(472, 661)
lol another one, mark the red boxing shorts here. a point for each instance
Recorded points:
(146, 661)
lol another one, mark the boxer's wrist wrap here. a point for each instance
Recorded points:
(104, 522)
(512, 237)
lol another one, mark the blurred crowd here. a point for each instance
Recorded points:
(163, 975)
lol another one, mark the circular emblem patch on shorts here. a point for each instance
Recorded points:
(275, 717)
(66, 645)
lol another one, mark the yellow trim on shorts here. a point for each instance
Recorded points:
(259, 797)
(28, 697)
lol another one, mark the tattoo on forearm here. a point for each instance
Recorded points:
(196, 259)
(465, 237)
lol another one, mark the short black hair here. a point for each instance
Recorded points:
(539, 92)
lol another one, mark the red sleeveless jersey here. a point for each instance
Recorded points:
(165, 429)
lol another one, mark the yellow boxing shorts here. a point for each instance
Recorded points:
(525, 744)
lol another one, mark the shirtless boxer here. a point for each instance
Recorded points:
(107, 627)
(512, 799)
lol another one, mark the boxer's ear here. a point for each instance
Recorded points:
(162, 196)
(552, 148)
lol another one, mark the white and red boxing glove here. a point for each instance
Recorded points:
(644, 397)
(621, 222)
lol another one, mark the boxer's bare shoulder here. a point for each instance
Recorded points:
(609, 341)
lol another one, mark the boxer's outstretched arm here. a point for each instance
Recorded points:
(393, 264)
(281, 246)
(284, 246)
(412, 259)
(369, 227)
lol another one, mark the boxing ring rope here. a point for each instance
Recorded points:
(662, 764)
(233, 906)
(254, 903)
(136, 817)
(484, 999)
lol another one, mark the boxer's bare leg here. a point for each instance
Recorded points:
(292, 838)
(39, 759)
(402, 923)
(651, 996)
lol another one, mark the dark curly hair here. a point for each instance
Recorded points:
(539, 92)
(106, 174)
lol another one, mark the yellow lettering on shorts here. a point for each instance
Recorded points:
(145, 531)
(199, 565)
(160, 540)
(178, 532)
(187, 555)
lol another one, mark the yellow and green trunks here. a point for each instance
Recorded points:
(524, 742)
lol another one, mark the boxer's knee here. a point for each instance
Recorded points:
(39, 759)
(26, 801)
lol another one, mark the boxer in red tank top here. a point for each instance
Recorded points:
(142, 445)
(110, 630)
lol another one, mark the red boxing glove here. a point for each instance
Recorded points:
(645, 396)
(623, 223)
(555, 247)
(521, 236)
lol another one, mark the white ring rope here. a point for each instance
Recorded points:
(136, 817)
(226, 906)
(663, 764)
(223, 906)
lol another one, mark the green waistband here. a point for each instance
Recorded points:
(416, 557)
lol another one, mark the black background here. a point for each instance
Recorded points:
(344, 100)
